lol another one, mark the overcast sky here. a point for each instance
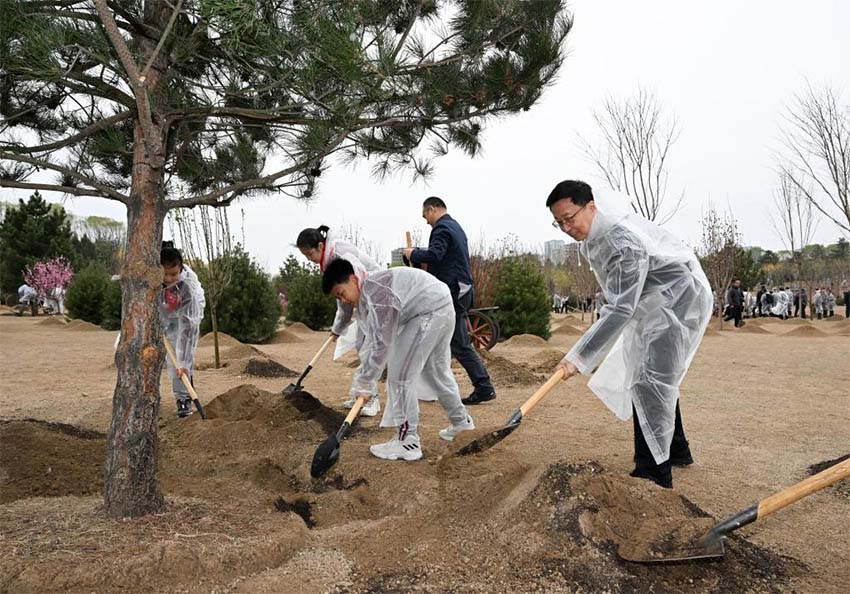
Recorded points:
(725, 69)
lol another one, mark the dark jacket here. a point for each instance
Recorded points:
(447, 255)
(736, 297)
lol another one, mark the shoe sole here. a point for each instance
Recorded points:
(452, 437)
(414, 457)
(367, 413)
(467, 402)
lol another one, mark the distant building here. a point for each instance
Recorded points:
(397, 257)
(557, 251)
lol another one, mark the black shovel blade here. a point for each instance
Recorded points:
(325, 457)
(201, 410)
(291, 389)
(487, 441)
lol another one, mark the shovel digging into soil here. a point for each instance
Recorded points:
(170, 350)
(328, 452)
(697, 539)
(296, 387)
(489, 440)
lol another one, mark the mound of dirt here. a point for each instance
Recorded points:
(546, 360)
(807, 331)
(568, 330)
(82, 326)
(53, 321)
(525, 340)
(841, 488)
(243, 351)
(41, 459)
(261, 367)
(299, 328)
(284, 337)
(508, 373)
(749, 329)
(224, 340)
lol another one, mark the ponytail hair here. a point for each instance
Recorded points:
(169, 255)
(310, 238)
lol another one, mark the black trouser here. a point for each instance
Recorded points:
(462, 348)
(678, 448)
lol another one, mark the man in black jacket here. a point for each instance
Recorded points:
(447, 258)
(736, 303)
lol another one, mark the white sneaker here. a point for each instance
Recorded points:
(371, 408)
(395, 449)
(450, 432)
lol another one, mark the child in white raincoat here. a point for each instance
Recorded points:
(658, 305)
(321, 247)
(407, 319)
(181, 308)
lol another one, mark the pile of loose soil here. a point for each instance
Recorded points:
(567, 330)
(525, 340)
(53, 321)
(749, 329)
(224, 340)
(261, 367)
(231, 357)
(508, 373)
(299, 328)
(82, 326)
(41, 459)
(807, 331)
(545, 361)
(284, 337)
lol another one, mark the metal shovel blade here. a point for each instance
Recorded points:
(487, 441)
(291, 389)
(688, 539)
(325, 457)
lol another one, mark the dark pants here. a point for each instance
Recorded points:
(464, 352)
(678, 448)
(847, 304)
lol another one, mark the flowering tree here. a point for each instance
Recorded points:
(47, 275)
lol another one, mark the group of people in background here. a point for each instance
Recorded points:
(782, 302)
(588, 304)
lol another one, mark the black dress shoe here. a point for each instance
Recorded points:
(478, 398)
(660, 476)
(682, 461)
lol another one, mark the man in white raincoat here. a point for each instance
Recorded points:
(407, 319)
(181, 308)
(658, 305)
(321, 247)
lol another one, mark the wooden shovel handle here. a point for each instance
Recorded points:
(170, 350)
(409, 239)
(815, 483)
(542, 391)
(355, 410)
(318, 354)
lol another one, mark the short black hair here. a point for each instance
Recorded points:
(578, 192)
(435, 202)
(310, 238)
(169, 255)
(336, 273)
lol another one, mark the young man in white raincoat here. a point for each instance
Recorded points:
(321, 247)
(181, 308)
(658, 305)
(407, 319)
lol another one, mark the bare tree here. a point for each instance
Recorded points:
(206, 243)
(795, 223)
(720, 239)
(354, 235)
(582, 279)
(817, 136)
(633, 157)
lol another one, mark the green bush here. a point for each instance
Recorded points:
(249, 308)
(307, 304)
(523, 300)
(111, 306)
(86, 294)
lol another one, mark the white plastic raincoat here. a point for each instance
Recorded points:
(407, 319)
(181, 309)
(658, 305)
(344, 326)
(780, 303)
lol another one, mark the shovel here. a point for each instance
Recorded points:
(691, 541)
(328, 452)
(488, 441)
(170, 350)
(296, 387)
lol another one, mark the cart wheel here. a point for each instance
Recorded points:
(483, 330)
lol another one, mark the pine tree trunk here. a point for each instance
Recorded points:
(214, 319)
(130, 487)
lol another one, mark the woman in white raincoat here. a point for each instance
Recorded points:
(181, 308)
(407, 319)
(321, 247)
(658, 305)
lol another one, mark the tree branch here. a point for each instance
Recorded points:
(6, 183)
(85, 133)
(162, 38)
